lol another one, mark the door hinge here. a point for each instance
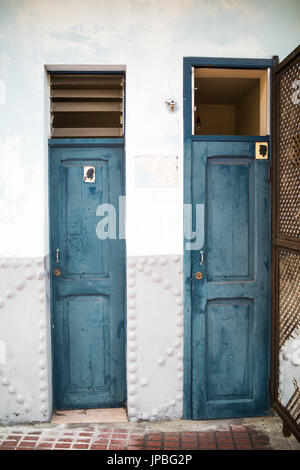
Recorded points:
(269, 173)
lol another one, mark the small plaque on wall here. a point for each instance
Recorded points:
(261, 150)
(89, 174)
(156, 171)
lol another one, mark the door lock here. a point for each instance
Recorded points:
(57, 272)
(199, 276)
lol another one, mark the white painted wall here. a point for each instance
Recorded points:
(150, 37)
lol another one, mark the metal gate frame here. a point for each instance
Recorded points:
(282, 244)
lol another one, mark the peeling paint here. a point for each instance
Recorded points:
(2, 92)
(69, 36)
(2, 353)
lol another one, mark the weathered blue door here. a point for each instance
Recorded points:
(230, 303)
(87, 277)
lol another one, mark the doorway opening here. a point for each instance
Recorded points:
(230, 101)
(88, 271)
(226, 168)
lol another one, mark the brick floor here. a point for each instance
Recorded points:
(263, 433)
(232, 437)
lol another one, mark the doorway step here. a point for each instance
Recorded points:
(99, 415)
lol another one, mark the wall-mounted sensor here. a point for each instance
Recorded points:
(171, 104)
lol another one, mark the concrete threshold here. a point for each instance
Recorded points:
(99, 415)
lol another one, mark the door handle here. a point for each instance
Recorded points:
(201, 257)
(57, 255)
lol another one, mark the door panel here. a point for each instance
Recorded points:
(88, 308)
(85, 255)
(229, 199)
(229, 349)
(230, 303)
(87, 342)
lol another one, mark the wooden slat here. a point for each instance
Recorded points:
(89, 86)
(65, 106)
(87, 132)
(93, 80)
(63, 93)
(289, 244)
(85, 76)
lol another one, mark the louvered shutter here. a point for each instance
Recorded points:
(87, 105)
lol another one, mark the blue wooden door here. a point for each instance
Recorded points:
(87, 297)
(230, 304)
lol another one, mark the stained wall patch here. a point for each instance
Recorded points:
(156, 171)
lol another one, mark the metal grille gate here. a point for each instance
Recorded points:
(286, 243)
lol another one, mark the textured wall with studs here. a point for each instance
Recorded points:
(154, 340)
(25, 381)
(155, 337)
